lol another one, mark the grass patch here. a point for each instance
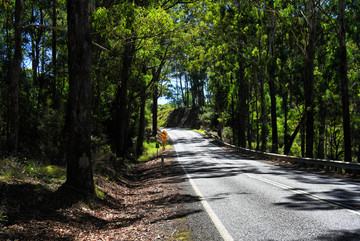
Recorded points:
(3, 220)
(164, 113)
(182, 234)
(100, 193)
(12, 169)
(150, 149)
(197, 130)
(21, 169)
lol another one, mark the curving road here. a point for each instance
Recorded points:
(243, 199)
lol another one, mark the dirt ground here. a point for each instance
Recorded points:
(146, 205)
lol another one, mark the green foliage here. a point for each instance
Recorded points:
(164, 113)
(213, 55)
(3, 220)
(12, 169)
(99, 193)
(208, 117)
(151, 149)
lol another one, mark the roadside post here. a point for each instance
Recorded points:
(163, 140)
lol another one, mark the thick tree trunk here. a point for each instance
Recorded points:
(79, 168)
(122, 106)
(309, 81)
(344, 82)
(274, 135)
(271, 72)
(13, 137)
(243, 96)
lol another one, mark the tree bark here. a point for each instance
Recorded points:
(322, 126)
(274, 135)
(13, 138)
(121, 108)
(309, 81)
(285, 106)
(263, 116)
(53, 57)
(289, 143)
(243, 96)
(344, 82)
(141, 131)
(155, 109)
(79, 168)
(271, 72)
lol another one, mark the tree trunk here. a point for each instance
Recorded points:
(285, 106)
(257, 113)
(79, 168)
(122, 106)
(249, 129)
(289, 143)
(263, 116)
(302, 141)
(344, 82)
(243, 96)
(187, 90)
(271, 71)
(141, 131)
(155, 109)
(309, 81)
(322, 119)
(274, 135)
(14, 83)
(182, 90)
(55, 96)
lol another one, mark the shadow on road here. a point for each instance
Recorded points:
(341, 235)
(202, 159)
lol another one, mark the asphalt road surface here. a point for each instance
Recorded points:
(244, 199)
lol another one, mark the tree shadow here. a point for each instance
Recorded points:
(341, 235)
(335, 198)
(36, 213)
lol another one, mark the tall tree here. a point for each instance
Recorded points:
(271, 72)
(309, 78)
(14, 83)
(344, 82)
(79, 168)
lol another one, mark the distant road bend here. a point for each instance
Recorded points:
(254, 200)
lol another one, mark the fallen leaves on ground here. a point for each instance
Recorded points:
(142, 209)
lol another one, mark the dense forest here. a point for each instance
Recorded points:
(277, 76)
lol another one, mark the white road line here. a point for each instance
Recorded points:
(292, 189)
(218, 224)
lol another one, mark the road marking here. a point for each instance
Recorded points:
(218, 224)
(335, 204)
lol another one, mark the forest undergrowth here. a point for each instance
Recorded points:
(136, 201)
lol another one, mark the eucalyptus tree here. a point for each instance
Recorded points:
(138, 36)
(343, 68)
(15, 66)
(79, 167)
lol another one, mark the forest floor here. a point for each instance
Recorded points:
(140, 203)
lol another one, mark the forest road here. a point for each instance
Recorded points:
(244, 199)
